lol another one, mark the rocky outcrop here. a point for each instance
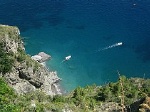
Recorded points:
(27, 74)
(41, 57)
(25, 80)
(11, 38)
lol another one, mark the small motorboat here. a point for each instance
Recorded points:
(67, 58)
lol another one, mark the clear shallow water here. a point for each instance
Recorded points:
(81, 28)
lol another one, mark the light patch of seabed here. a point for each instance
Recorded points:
(85, 67)
(60, 44)
(73, 73)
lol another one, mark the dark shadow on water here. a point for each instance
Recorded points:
(78, 27)
(109, 37)
(73, 25)
(31, 14)
(143, 51)
(54, 20)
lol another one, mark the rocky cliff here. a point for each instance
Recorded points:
(19, 70)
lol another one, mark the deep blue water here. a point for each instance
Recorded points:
(80, 28)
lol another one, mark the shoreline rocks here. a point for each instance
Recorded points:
(51, 84)
(41, 57)
(26, 73)
(51, 81)
(25, 80)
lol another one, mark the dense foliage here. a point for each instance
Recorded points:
(21, 56)
(6, 60)
(133, 90)
(87, 99)
(7, 97)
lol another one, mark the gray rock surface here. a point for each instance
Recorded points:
(40, 79)
(27, 75)
(41, 57)
(44, 56)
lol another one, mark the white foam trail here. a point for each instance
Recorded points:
(109, 47)
(66, 58)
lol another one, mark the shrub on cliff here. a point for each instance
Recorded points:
(133, 90)
(6, 60)
(88, 99)
(7, 96)
(21, 55)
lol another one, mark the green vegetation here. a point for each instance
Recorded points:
(6, 60)
(112, 92)
(87, 99)
(9, 31)
(21, 56)
(7, 57)
(7, 97)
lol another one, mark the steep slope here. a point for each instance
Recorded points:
(107, 98)
(19, 70)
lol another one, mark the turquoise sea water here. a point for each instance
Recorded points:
(81, 28)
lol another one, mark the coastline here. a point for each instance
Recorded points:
(51, 81)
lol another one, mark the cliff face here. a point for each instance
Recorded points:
(20, 71)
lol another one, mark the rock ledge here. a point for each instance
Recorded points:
(41, 57)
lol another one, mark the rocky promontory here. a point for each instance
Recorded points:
(41, 57)
(23, 73)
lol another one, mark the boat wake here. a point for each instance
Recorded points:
(111, 46)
